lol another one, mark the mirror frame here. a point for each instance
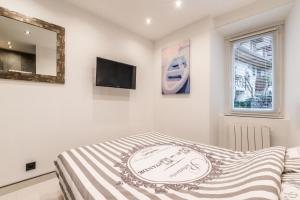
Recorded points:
(60, 49)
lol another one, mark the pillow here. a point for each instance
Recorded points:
(290, 192)
(292, 160)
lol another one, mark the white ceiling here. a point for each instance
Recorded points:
(166, 18)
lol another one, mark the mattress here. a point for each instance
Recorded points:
(160, 167)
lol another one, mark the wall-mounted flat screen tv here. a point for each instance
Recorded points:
(115, 74)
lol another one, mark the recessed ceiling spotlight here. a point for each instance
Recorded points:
(148, 21)
(178, 3)
(27, 32)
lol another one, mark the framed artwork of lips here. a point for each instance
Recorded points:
(176, 69)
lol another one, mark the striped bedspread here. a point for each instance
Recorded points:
(290, 186)
(291, 176)
(160, 167)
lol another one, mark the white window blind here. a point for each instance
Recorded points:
(253, 73)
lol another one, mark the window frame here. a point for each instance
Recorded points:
(278, 47)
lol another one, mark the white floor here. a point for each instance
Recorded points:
(48, 190)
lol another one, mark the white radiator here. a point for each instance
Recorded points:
(248, 137)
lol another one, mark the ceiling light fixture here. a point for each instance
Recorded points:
(148, 21)
(10, 47)
(178, 3)
(27, 32)
(9, 43)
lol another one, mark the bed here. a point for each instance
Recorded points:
(155, 166)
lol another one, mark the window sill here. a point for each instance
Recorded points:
(256, 115)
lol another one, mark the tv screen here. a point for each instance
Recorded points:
(114, 74)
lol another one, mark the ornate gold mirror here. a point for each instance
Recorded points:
(31, 49)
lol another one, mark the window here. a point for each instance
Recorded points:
(254, 73)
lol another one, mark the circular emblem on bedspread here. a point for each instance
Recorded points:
(169, 164)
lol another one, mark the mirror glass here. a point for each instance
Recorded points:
(26, 49)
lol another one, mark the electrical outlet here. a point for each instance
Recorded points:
(30, 166)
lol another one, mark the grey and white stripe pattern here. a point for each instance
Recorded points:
(292, 165)
(291, 178)
(89, 172)
(290, 186)
(292, 160)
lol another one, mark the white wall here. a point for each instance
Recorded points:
(200, 115)
(292, 73)
(217, 70)
(285, 132)
(40, 120)
(187, 115)
(282, 131)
